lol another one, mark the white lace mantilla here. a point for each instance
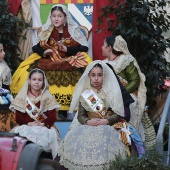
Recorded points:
(120, 63)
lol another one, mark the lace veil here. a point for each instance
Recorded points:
(73, 27)
(110, 86)
(121, 45)
(47, 101)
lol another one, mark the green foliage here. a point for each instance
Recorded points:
(141, 23)
(151, 160)
(11, 28)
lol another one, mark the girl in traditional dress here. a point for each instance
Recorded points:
(126, 67)
(95, 142)
(7, 118)
(59, 53)
(36, 112)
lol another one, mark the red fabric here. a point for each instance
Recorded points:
(98, 38)
(14, 6)
(24, 118)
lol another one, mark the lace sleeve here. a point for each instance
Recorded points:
(82, 114)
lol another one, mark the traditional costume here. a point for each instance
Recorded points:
(129, 73)
(94, 147)
(62, 70)
(42, 109)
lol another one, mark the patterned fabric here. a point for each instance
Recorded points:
(7, 120)
(149, 131)
(60, 78)
(124, 134)
(90, 147)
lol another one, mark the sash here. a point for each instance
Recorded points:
(94, 102)
(127, 134)
(55, 56)
(34, 112)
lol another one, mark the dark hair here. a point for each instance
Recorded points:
(110, 42)
(98, 65)
(58, 8)
(36, 70)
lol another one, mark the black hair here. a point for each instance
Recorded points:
(98, 65)
(110, 42)
(58, 8)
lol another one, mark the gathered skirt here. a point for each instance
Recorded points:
(40, 135)
(90, 147)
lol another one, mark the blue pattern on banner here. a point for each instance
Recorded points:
(81, 9)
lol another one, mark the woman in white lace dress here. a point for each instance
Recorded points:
(36, 112)
(95, 142)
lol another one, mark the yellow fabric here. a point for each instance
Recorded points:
(21, 74)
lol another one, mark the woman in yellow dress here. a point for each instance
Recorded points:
(60, 53)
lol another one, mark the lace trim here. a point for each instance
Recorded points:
(120, 63)
(21, 102)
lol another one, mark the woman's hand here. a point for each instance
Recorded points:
(97, 122)
(48, 52)
(62, 47)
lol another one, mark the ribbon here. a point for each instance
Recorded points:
(78, 60)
